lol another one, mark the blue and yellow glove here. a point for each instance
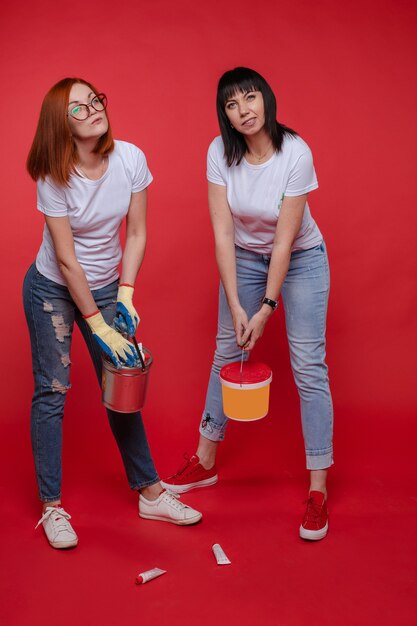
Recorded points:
(127, 318)
(116, 347)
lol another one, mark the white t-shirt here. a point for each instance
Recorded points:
(95, 209)
(255, 193)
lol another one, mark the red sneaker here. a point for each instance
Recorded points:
(315, 523)
(192, 474)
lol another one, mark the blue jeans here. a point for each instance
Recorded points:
(50, 314)
(305, 294)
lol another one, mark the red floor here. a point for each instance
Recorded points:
(364, 572)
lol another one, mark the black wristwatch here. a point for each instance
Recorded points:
(272, 303)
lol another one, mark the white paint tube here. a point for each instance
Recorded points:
(142, 351)
(150, 574)
(221, 558)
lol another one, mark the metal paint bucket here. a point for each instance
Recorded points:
(245, 390)
(124, 389)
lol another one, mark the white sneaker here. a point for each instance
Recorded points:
(58, 530)
(167, 508)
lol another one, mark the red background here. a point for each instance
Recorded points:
(344, 79)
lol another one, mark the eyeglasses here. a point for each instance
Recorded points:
(82, 111)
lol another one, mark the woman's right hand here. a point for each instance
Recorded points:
(113, 344)
(240, 323)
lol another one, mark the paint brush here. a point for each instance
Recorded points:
(142, 362)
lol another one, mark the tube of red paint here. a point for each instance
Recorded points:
(150, 574)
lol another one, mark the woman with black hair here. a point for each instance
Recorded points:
(267, 244)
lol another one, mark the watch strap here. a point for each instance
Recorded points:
(272, 303)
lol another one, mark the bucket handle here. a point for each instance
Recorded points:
(142, 362)
(241, 368)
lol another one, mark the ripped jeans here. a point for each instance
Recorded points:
(50, 314)
(305, 293)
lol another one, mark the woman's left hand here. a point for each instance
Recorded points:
(255, 329)
(127, 318)
(288, 225)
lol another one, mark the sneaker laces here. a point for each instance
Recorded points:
(184, 466)
(172, 498)
(313, 511)
(59, 512)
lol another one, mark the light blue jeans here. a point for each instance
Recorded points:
(305, 293)
(50, 314)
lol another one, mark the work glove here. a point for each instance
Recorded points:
(116, 347)
(127, 318)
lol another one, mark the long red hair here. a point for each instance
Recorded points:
(53, 152)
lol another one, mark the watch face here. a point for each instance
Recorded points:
(270, 302)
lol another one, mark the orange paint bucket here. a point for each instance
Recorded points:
(245, 390)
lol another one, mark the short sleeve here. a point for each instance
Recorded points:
(142, 177)
(214, 171)
(51, 199)
(302, 178)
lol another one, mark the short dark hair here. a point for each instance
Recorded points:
(244, 79)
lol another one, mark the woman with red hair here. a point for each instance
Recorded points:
(87, 183)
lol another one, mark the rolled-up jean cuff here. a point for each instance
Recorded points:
(46, 500)
(216, 435)
(319, 461)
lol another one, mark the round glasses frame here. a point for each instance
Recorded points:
(98, 103)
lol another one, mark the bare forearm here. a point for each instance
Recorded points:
(132, 258)
(226, 262)
(288, 226)
(78, 287)
(278, 268)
